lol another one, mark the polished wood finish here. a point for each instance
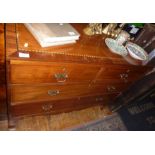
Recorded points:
(51, 72)
(22, 93)
(58, 106)
(64, 78)
(86, 50)
(2, 53)
(3, 109)
(120, 73)
(47, 72)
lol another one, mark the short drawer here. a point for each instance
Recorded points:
(121, 73)
(30, 72)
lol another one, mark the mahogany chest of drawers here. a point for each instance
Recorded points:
(63, 78)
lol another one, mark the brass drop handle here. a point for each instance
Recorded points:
(53, 92)
(47, 107)
(111, 88)
(124, 76)
(61, 77)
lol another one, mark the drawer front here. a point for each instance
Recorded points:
(23, 93)
(24, 72)
(121, 73)
(59, 106)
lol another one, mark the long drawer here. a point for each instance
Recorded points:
(28, 93)
(31, 72)
(59, 106)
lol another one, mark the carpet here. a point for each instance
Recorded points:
(136, 116)
(107, 123)
(139, 115)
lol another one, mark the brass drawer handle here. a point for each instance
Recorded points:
(124, 77)
(53, 92)
(111, 88)
(47, 107)
(61, 77)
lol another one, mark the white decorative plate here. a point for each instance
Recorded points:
(115, 47)
(136, 51)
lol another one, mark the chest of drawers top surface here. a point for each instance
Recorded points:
(87, 49)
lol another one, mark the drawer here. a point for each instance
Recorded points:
(30, 72)
(24, 93)
(121, 73)
(59, 106)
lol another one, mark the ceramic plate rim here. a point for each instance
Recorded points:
(133, 54)
(124, 54)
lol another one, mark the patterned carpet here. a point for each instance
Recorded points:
(139, 115)
(136, 116)
(108, 123)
